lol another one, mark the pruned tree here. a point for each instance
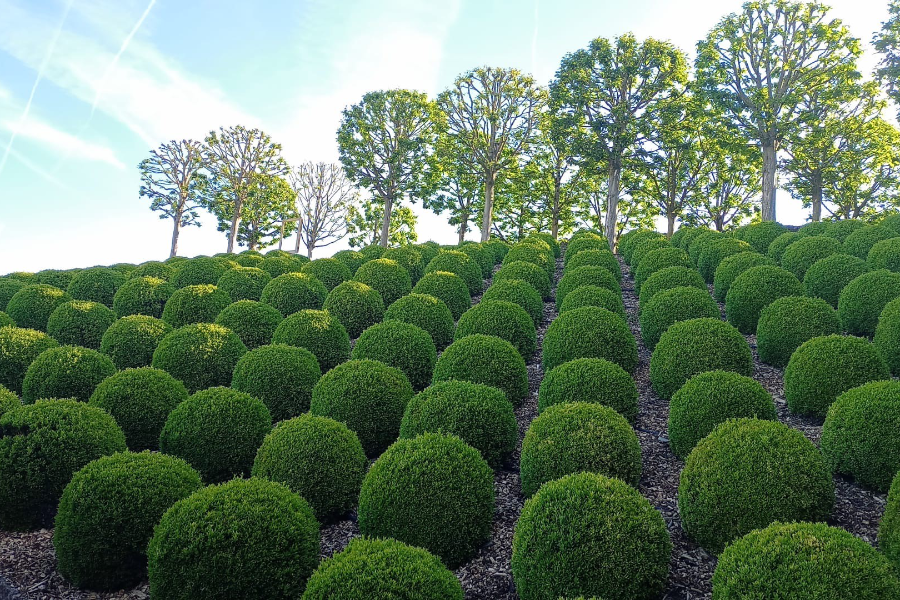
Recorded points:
(760, 63)
(171, 177)
(492, 112)
(459, 188)
(324, 196)
(384, 144)
(887, 44)
(236, 158)
(559, 179)
(729, 188)
(365, 221)
(268, 204)
(517, 202)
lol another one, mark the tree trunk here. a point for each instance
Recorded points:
(463, 225)
(386, 223)
(235, 222)
(720, 225)
(612, 201)
(310, 248)
(768, 181)
(488, 218)
(176, 229)
(554, 225)
(671, 218)
(297, 241)
(816, 196)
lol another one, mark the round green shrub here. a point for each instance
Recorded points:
(19, 347)
(585, 276)
(532, 253)
(755, 289)
(803, 560)
(218, 431)
(589, 332)
(330, 271)
(32, 305)
(430, 249)
(98, 284)
(351, 258)
(685, 234)
(276, 266)
(143, 296)
(710, 398)
(497, 247)
(123, 268)
(281, 376)
(889, 531)
(551, 241)
(449, 288)
(372, 251)
(826, 278)
(585, 243)
(80, 323)
(195, 304)
(891, 220)
(55, 277)
(153, 268)
(201, 355)
(319, 332)
(483, 258)
(731, 267)
(6, 320)
(760, 235)
(8, 289)
(25, 276)
(527, 272)
(518, 292)
(8, 401)
(747, 474)
(595, 258)
(356, 305)
(625, 239)
(592, 295)
(815, 228)
(668, 278)
(713, 252)
(250, 539)
(277, 252)
(885, 255)
(590, 535)
(244, 283)
(41, 446)
(645, 247)
(65, 372)
(479, 415)
(627, 246)
(317, 458)
(502, 319)
(433, 491)
(252, 321)
(293, 292)
(671, 306)
(862, 300)
(131, 341)
(695, 346)
(862, 240)
(176, 261)
(401, 345)
(780, 244)
(805, 252)
(859, 436)
(790, 321)
(699, 244)
(428, 313)
(460, 264)
(657, 260)
(839, 230)
(590, 380)
(488, 360)
(387, 277)
(107, 514)
(887, 335)
(579, 436)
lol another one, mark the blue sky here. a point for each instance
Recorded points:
(88, 87)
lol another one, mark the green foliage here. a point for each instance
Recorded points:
(385, 276)
(861, 241)
(589, 332)
(79, 323)
(815, 228)
(885, 255)
(107, 514)
(142, 296)
(755, 289)
(65, 372)
(585, 276)
(685, 234)
(732, 266)
(249, 258)
(98, 284)
(760, 235)
(483, 258)
(747, 474)
(780, 244)
(32, 305)
(243, 283)
(331, 272)
(528, 272)
(862, 300)
(710, 398)
(699, 243)
(356, 305)
(497, 247)
(131, 341)
(668, 278)
(460, 264)
(448, 287)
(590, 519)
(657, 260)
(592, 295)
(805, 252)
(57, 278)
(294, 292)
(594, 258)
(153, 268)
(502, 319)
(822, 368)
(433, 491)
(428, 313)
(644, 247)
(253, 322)
(826, 278)
(716, 250)
(317, 458)
(319, 332)
(839, 230)
(551, 241)
(365, 222)
(8, 288)
(8, 401)
(788, 322)
(201, 355)
(279, 265)
(586, 242)
(6, 320)
(372, 251)
(590, 380)
(518, 292)
(401, 345)
(887, 335)
(803, 560)
(351, 258)
(18, 349)
(249, 539)
(695, 346)
(889, 531)
(532, 253)
(488, 360)
(281, 376)
(41, 446)
(673, 305)
(195, 304)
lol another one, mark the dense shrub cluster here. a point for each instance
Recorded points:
(716, 250)
(276, 266)
(244, 283)
(502, 319)
(518, 292)
(426, 312)
(731, 267)
(887, 335)
(760, 235)
(32, 305)
(528, 272)
(628, 246)
(319, 332)
(592, 295)
(589, 333)
(889, 531)
(685, 234)
(401, 345)
(671, 306)
(885, 255)
(582, 276)
(807, 251)
(839, 230)
(586, 242)
(658, 260)
(153, 268)
(411, 259)
(594, 258)
(755, 289)
(8, 401)
(669, 278)
(448, 287)
(699, 244)
(201, 355)
(531, 253)
(18, 349)
(8, 288)
(351, 258)
(788, 322)
(131, 341)
(98, 284)
(56, 278)
(281, 376)
(861, 241)
(488, 360)
(460, 264)
(198, 271)
(142, 296)
(195, 304)
(862, 300)
(645, 247)
(497, 247)
(355, 305)
(252, 321)
(65, 372)
(79, 323)
(482, 257)
(780, 244)
(826, 278)
(293, 292)
(590, 380)
(330, 271)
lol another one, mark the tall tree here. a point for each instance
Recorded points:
(758, 65)
(365, 221)
(559, 180)
(236, 158)
(492, 112)
(384, 144)
(729, 186)
(517, 201)
(459, 189)
(173, 181)
(324, 196)
(604, 93)
(269, 203)
(887, 43)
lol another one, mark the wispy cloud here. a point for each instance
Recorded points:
(45, 134)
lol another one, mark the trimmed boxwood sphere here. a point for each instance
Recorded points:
(889, 531)
(387, 277)
(503, 319)
(8, 400)
(433, 491)
(317, 458)
(685, 234)
(57, 278)
(658, 260)
(410, 259)
(198, 271)
(732, 266)
(863, 239)
(319, 332)
(41, 446)
(760, 235)
(713, 253)
(65, 372)
(592, 295)
(671, 306)
(590, 535)
(826, 278)
(131, 341)
(356, 305)
(590, 380)
(887, 335)
(385, 569)
(98, 284)
(401, 345)
(460, 264)
(140, 401)
(430, 249)
(803, 560)
(551, 241)
(885, 255)
(372, 251)
(710, 398)
(79, 323)
(366, 395)
(153, 268)
(528, 272)
(747, 474)
(427, 312)
(32, 305)
(252, 321)
(479, 415)
(330, 271)
(805, 252)
(815, 228)
(107, 514)
(589, 333)
(519, 292)
(668, 278)
(531, 253)
(862, 300)
(780, 244)
(279, 265)
(351, 259)
(859, 437)
(195, 304)
(842, 228)
(595, 258)
(790, 321)
(142, 296)
(695, 346)
(497, 247)
(579, 436)
(699, 244)
(18, 349)
(482, 257)
(6, 320)
(8, 288)
(244, 283)
(627, 247)
(755, 289)
(645, 247)
(251, 539)
(201, 355)
(585, 276)
(218, 431)
(447, 287)
(585, 243)
(281, 376)
(488, 360)
(294, 292)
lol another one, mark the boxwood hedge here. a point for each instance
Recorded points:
(671, 306)
(243, 283)
(731, 267)
(401, 345)
(519, 292)
(805, 252)
(142, 296)
(589, 333)
(195, 304)
(826, 278)
(319, 332)
(889, 530)
(281, 376)
(668, 278)
(293, 292)
(713, 252)
(330, 271)
(861, 241)
(201, 355)
(755, 289)
(862, 300)
(788, 322)
(658, 260)
(32, 305)
(131, 341)
(79, 323)
(252, 321)
(760, 235)
(98, 284)
(528, 272)
(459, 263)
(590, 380)
(503, 319)
(65, 372)
(488, 360)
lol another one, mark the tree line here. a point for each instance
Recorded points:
(627, 131)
